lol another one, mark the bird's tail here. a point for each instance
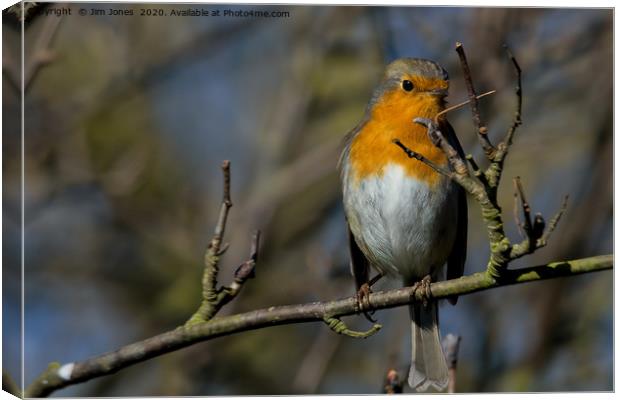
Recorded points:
(428, 364)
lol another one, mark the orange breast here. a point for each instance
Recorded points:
(372, 148)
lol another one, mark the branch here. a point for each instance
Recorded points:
(57, 377)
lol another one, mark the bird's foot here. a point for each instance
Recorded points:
(363, 297)
(363, 301)
(425, 286)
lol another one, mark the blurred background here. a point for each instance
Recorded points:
(128, 119)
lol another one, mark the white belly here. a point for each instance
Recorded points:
(400, 224)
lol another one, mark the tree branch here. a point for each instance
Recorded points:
(57, 377)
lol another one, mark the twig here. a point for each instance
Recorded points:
(536, 236)
(457, 106)
(476, 170)
(553, 223)
(420, 157)
(481, 130)
(527, 219)
(504, 146)
(214, 298)
(516, 122)
(57, 377)
(450, 344)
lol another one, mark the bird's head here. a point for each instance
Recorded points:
(411, 87)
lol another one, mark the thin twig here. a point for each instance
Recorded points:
(245, 270)
(420, 157)
(553, 223)
(516, 122)
(515, 213)
(527, 219)
(226, 205)
(57, 376)
(476, 170)
(457, 106)
(481, 130)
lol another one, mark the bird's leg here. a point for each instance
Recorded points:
(376, 279)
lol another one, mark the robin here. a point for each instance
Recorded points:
(404, 218)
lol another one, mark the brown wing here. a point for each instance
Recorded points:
(360, 268)
(456, 259)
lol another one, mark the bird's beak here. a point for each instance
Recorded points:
(439, 92)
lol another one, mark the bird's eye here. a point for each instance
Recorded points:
(407, 85)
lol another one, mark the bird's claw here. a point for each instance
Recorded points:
(363, 301)
(425, 286)
(363, 295)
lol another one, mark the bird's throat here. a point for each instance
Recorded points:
(373, 149)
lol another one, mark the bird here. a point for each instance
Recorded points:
(404, 218)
